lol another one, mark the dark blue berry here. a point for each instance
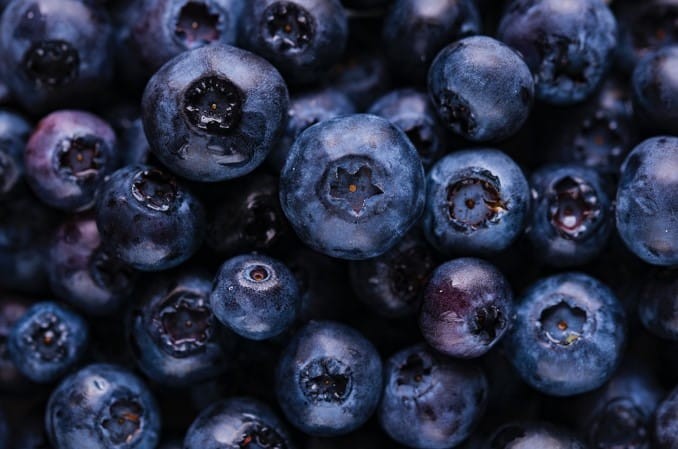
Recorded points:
(658, 303)
(14, 132)
(532, 435)
(655, 89)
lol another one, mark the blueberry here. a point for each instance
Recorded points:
(352, 186)
(658, 304)
(414, 32)
(102, 406)
(256, 296)
(362, 75)
(306, 109)
(302, 38)
(665, 423)
(11, 380)
(57, 53)
(571, 216)
(214, 113)
(655, 89)
(477, 202)
(47, 341)
(467, 308)
(531, 435)
(174, 336)
(148, 219)
(568, 334)
(82, 273)
(67, 158)
(14, 132)
(429, 401)
(647, 201)
(238, 422)
(568, 45)
(328, 379)
(132, 142)
(481, 89)
(412, 111)
(392, 284)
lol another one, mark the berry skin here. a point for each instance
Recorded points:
(655, 89)
(568, 45)
(352, 186)
(658, 303)
(256, 296)
(67, 158)
(429, 401)
(647, 201)
(214, 113)
(302, 38)
(481, 89)
(467, 308)
(148, 219)
(47, 341)
(11, 379)
(665, 428)
(477, 203)
(14, 132)
(329, 379)
(102, 406)
(568, 334)
(237, 422)
(532, 435)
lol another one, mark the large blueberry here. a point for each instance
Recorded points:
(148, 219)
(102, 406)
(430, 401)
(329, 379)
(352, 186)
(568, 335)
(481, 88)
(655, 89)
(647, 201)
(477, 202)
(568, 45)
(214, 113)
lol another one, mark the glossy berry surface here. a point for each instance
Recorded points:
(148, 219)
(568, 334)
(647, 199)
(430, 401)
(481, 89)
(329, 379)
(352, 186)
(477, 202)
(102, 405)
(256, 296)
(467, 308)
(47, 341)
(214, 113)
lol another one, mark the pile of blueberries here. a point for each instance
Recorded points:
(329, 224)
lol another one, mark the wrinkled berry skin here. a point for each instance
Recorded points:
(532, 435)
(467, 308)
(102, 405)
(568, 334)
(655, 89)
(47, 341)
(658, 304)
(237, 422)
(164, 28)
(415, 31)
(477, 202)
(481, 89)
(412, 111)
(82, 273)
(67, 158)
(174, 336)
(571, 216)
(214, 113)
(307, 109)
(430, 401)
(256, 296)
(352, 186)
(56, 53)
(647, 200)
(14, 132)
(148, 219)
(392, 284)
(568, 45)
(329, 379)
(302, 38)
